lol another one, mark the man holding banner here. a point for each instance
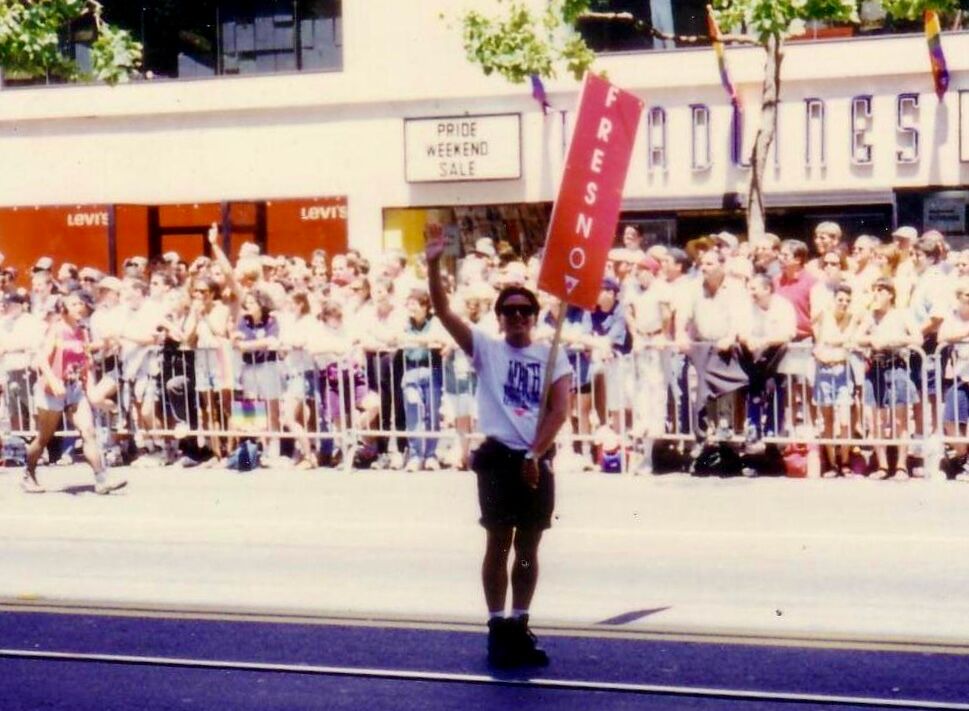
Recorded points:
(515, 484)
(523, 387)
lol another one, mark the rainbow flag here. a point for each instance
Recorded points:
(933, 35)
(538, 93)
(250, 415)
(736, 126)
(714, 31)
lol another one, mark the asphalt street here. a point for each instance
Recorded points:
(124, 659)
(830, 589)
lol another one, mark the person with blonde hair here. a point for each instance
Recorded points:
(888, 389)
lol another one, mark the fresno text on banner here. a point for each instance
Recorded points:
(584, 217)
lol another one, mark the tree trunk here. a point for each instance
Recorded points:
(770, 95)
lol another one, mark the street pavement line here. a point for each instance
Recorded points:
(594, 631)
(480, 679)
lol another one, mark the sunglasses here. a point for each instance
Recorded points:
(523, 310)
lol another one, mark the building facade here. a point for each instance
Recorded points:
(355, 123)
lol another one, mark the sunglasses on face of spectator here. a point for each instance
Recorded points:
(523, 310)
(831, 263)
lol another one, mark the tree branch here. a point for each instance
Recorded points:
(648, 28)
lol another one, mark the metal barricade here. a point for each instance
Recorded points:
(371, 407)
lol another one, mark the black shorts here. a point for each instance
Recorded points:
(504, 497)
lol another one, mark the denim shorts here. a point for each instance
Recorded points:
(302, 386)
(956, 407)
(888, 387)
(44, 400)
(262, 381)
(833, 385)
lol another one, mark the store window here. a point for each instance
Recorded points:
(517, 228)
(682, 17)
(187, 39)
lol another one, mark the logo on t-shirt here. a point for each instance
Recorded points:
(522, 386)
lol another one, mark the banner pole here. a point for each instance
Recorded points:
(550, 365)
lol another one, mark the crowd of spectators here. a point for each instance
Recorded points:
(833, 339)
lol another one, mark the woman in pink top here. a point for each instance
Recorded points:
(63, 364)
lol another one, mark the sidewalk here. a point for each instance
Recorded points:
(672, 553)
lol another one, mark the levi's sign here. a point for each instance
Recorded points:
(584, 217)
(462, 148)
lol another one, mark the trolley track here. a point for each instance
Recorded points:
(438, 656)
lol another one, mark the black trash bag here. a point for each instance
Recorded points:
(770, 462)
(717, 459)
(669, 457)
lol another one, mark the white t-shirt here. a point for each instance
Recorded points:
(778, 320)
(647, 307)
(510, 382)
(140, 323)
(22, 337)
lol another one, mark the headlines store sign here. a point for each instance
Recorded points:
(584, 217)
(454, 148)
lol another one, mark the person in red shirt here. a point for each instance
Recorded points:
(63, 364)
(794, 283)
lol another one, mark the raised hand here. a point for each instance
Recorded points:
(434, 242)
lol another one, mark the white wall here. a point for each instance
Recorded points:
(342, 133)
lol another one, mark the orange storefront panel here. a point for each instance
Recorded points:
(296, 227)
(131, 231)
(77, 234)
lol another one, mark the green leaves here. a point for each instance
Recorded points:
(115, 56)
(913, 9)
(772, 18)
(520, 44)
(31, 33)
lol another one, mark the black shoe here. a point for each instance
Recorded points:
(498, 648)
(525, 644)
(502, 653)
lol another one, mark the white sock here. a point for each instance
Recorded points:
(500, 614)
(517, 614)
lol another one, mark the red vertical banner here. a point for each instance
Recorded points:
(586, 211)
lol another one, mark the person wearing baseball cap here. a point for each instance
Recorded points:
(727, 242)
(44, 264)
(905, 235)
(904, 238)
